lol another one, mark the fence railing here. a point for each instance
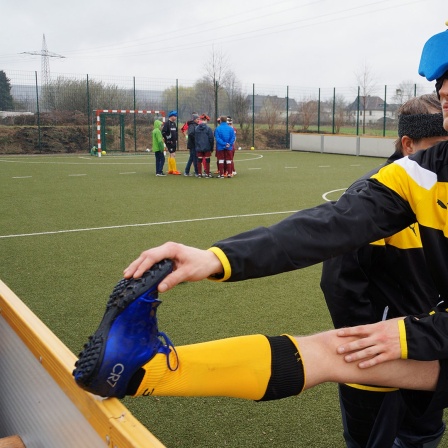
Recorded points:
(263, 115)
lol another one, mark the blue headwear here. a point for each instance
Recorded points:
(172, 113)
(434, 59)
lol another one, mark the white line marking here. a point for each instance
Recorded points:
(22, 177)
(129, 172)
(254, 168)
(75, 175)
(148, 224)
(356, 165)
(324, 166)
(124, 159)
(324, 196)
(290, 167)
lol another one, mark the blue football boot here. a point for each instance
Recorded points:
(127, 337)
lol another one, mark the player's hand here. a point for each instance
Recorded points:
(377, 343)
(190, 264)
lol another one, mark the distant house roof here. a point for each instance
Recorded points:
(372, 103)
(259, 100)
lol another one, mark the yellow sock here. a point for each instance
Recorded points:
(237, 367)
(255, 367)
(174, 164)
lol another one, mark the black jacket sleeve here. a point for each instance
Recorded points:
(367, 213)
(426, 337)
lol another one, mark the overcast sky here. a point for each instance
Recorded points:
(302, 43)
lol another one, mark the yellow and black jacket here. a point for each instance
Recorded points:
(385, 279)
(412, 189)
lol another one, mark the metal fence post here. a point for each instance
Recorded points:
(38, 114)
(215, 91)
(384, 111)
(287, 118)
(357, 113)
(89, 117)
(253, 115)
(177, 108)
(135, 120)
(318, 113)
(334, 108)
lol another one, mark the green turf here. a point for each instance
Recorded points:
(66, 277)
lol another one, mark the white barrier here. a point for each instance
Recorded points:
(343, 144)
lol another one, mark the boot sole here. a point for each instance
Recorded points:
(124, 293)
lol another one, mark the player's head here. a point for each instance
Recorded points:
(434, 59)
(420, 124)
(171, 114)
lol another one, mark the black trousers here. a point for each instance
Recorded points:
(377, 419)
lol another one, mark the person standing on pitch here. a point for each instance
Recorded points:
(232, 152)
(383, 280)
(224, 136)
(169, 133)
(204, 142)
(158, 147)
(188, 129)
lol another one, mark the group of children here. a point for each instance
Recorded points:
(200, 143)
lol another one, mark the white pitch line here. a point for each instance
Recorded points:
(94, 160)
(290, 167)
(76, 175)
(129, 172)
(324, 196)
(55, 232)
(324, 166)
(22, 177)
(254, 168)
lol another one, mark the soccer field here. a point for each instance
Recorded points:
(70, 224)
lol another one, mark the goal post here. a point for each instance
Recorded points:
(100, 112)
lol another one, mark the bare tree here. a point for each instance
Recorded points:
(232, 88)
(340, 112)
(366, 83)
(271, 110)
(240, 115)
(308, 112)
(189, 101)
(217, 73)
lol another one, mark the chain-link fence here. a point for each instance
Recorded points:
(60, 116)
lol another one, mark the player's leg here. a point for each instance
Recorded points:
(221, 160)
(128, 355)
(172, 156)
(227, 164)
(199, 163)
(189, 163)
(207, 155)
(195, 162)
